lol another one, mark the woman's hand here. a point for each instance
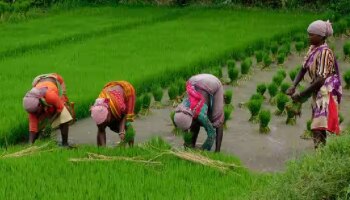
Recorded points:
(296, 97)
(290, 91)
(122, 136)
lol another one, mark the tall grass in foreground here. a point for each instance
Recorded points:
(324, 174)
(174, 178)
(162, 55)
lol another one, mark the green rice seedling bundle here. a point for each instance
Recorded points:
(285, 49)
(157, 92)
(254, 107)
(272, 88)
(264, 120)
(278, 79)
(284, 87)
(227, 113)
(281, 58)
(231, 64)
(299, 46)
(228, 97)
(257, 96)
(245, 66)
(138, 104)
(346, 49)
(130, 135)
(173, 91)
(346, 78)
(187, 137)
(340, 27)
(307, 133)
(282, 72)
(146, 101)
(259, 56)
(292, 74)
(233, 74)
(274, 48)
(267, 60)
(281, 101)
(293, 110)
(261, 89)
(181, 85)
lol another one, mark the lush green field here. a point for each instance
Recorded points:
(49, 175)
(157, 51)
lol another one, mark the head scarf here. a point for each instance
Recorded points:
(99, 111)
(183, 117)
(31, 100)
(322, 28)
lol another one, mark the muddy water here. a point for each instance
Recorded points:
(258, 152)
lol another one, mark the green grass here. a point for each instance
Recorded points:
(155, 52)
(51, 176)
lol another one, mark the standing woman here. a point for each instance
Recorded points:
(46, 103)
(325, 85)
(203, 106)
(114, 108)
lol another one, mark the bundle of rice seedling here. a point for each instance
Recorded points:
(281, 100)
(346, 49)
(28, 151)
(227, 113)
(264, 119)
(173, 91)
(346, 78)
(299, 46)
(245, 66)
(228, 97)
(282, 72)
(284, 87)
(267, 60)
(274, 47)
(293, 110)
(261, 88)
(233, 74)
(278, 78)
(231, 64)
(254, 107)
(272, 88)
(138, 104)
(157, 92)
(129, 135)
(280, 58)
(257, 97)
(259, 56)
(307, 133)
(146, 101)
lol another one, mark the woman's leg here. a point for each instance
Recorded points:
(194, 131)
(319, 137)
(101, 136)
(64, 133)
(219, 135)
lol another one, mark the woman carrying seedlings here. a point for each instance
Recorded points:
(114, 108)
(325, 86)
(203, 106)
(46, 103)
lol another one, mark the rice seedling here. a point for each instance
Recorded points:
(346, 49)
(267, 60)
(341, 118)
(293, 110)
(278, 79)
(274, 48)
(173, 91)
(257, 96)
(346, 78)
(228, 97)
(181, 84)
(272, 88)
(157, 92)
(138, 104)
(245, 66)
(292, 74)
(299, 46)
(146, 101)
(233, 74)
(284, 87)
(187, 137)
(307, 133)
(254, 107)
(264, 120)
(282, 72)
(129, 135)
(259, 56)
(340, 27)
(231, 64)
(281, 101)
(261, 89)
(227, 113)
(280, 58)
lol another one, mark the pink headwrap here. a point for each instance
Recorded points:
(322, 28)
(31, 100)
(183, 117)
(99, 111)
